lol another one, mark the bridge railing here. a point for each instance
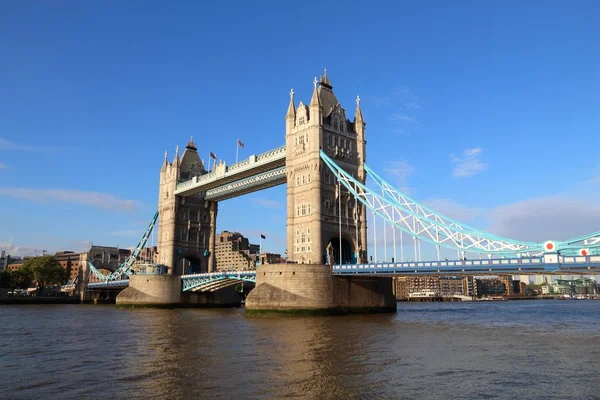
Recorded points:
(220, 274)
(249, 163)
(449, 263)
(262, 178)
(579, 259)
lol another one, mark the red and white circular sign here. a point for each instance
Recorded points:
(549, 246)
(584, 252)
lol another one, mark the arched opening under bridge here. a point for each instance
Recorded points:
(191, 265)
(348, 255)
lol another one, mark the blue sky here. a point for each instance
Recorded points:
(488, 112)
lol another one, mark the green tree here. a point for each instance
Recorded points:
(46, 271)
(5, 279)
(21, 278)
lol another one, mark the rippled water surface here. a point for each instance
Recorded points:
(484, 350)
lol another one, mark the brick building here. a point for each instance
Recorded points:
(234, 252)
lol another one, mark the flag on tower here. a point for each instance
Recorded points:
(212, 155)
(240, 143)
(262, 236)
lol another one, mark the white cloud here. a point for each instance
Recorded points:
(401, 171)
(468, 164)
(267, 203)
(403, 107)
(558, 217)
(403, 117)
(19, 251)
(94, 199)
(453, 210)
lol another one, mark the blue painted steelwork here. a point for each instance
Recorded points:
(409, 216)
(557, 265)
(259, 181)
(99, 275)
(215, 280)
(120, 284)
(567, 246)
(125, 268)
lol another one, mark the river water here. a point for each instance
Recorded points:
(483, 350)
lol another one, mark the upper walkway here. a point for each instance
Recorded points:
(257, 172)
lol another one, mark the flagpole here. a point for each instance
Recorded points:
(209, 157)
(237, 147)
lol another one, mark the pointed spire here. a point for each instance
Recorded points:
(358, 115)
(166, 162)
(315, 100)
(191, 145)
(291, 112)
(176, 159)
(325, 80)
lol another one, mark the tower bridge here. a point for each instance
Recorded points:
(324, 166)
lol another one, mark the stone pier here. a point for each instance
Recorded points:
(312, 289)
(165, 291)
(151, 291)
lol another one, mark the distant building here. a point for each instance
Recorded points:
(234, 252)
(70, 261)
(4, 259)
(400, 287)
(148, 255)
(583, 286)
(404, 286)
(490, 287)
(517, 287)
(452, 284)
(269, 258)
(14, 266)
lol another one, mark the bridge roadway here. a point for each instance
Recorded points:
(257, 172)
(579, 265)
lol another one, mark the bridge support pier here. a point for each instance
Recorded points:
(151, 291)
(312, 289)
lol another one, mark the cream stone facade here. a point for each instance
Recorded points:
(186, 225)
(315, 204)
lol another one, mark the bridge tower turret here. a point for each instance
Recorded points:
(314, 215)
(186, 225)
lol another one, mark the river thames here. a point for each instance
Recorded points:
(483, 350)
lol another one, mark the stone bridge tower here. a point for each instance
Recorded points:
(314, 215)
(186, 225)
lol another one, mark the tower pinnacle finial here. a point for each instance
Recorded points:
(358, 115)
(177, 151)
(191, 145)
(325, 80)
(291, 112)
(315, 81)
